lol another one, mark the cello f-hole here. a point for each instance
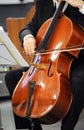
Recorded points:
(49, 74)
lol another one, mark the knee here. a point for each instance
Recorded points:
(8, 77)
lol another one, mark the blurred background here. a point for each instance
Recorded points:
(14, 14)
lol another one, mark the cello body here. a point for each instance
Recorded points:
(52, 95)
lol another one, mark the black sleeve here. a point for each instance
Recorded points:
(32, 27)
(44, 10)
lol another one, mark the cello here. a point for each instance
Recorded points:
(45, 92)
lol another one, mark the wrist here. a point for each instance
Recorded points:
(29, 39)
(27, 36)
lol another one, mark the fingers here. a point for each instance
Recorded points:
(29, 46)
(30, 50)
(75, 3)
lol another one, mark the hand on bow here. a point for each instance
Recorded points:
(29, 45)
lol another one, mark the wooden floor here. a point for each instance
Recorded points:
(7, 119)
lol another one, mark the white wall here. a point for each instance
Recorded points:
(14, 1)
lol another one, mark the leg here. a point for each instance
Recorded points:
(77, 82)
(11, 79)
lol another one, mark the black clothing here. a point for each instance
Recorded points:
(45, 10)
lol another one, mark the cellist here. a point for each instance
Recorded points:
(44, 10)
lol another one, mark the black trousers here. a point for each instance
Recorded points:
(77, 82)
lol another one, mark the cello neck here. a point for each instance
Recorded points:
(53, 23)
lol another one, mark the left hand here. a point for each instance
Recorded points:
(75, 3)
